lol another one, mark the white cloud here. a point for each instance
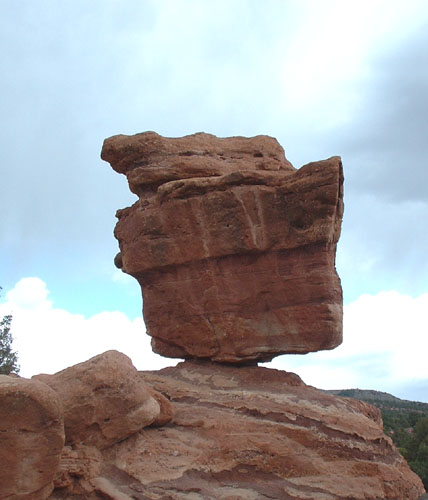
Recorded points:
(48, 339)
(322, 72)
(384, 348)
(29, 293)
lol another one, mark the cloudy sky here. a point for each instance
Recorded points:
(325, 78)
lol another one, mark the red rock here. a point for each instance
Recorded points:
(31, 438)
(257, 433)
(104, 399)
(78, 464)
(234, 249)
(80, 476)
(165, 414)
(247, 433)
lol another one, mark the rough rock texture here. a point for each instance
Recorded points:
(31, 438)
(234, 249)
(78, 464)
(252, 433)
(165, 414)
(104, 400)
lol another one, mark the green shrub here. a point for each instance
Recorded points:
(8, 358)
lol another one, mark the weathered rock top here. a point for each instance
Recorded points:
(200, 153)
(233, 247)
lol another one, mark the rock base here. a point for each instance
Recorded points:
(242, 433)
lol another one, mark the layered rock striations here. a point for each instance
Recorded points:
(233, 247)
(241, 433)
(218, 432)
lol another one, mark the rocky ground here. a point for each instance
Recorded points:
(255, 433)
(197, 431)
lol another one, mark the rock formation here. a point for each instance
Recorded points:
(89, 407)
(221, 433)
(31, 438)
(235, 252)
(234, 248)
(104, 400)
(255, 433)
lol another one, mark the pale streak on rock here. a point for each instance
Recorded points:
(252, 432)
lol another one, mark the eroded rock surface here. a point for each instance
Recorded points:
(104, 400)
(31, 438)
(252, 433)
(234, 248)
(219, 433)
(78, 465)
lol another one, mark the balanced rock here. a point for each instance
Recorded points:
(255, 433)
(104, 399)
(233, 247)
(31, 438)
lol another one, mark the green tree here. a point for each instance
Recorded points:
(416, 450)
(8, 358)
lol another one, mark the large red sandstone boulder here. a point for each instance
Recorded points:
(31, 438)
(234, 249)
(241, 433)
(104, 399)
